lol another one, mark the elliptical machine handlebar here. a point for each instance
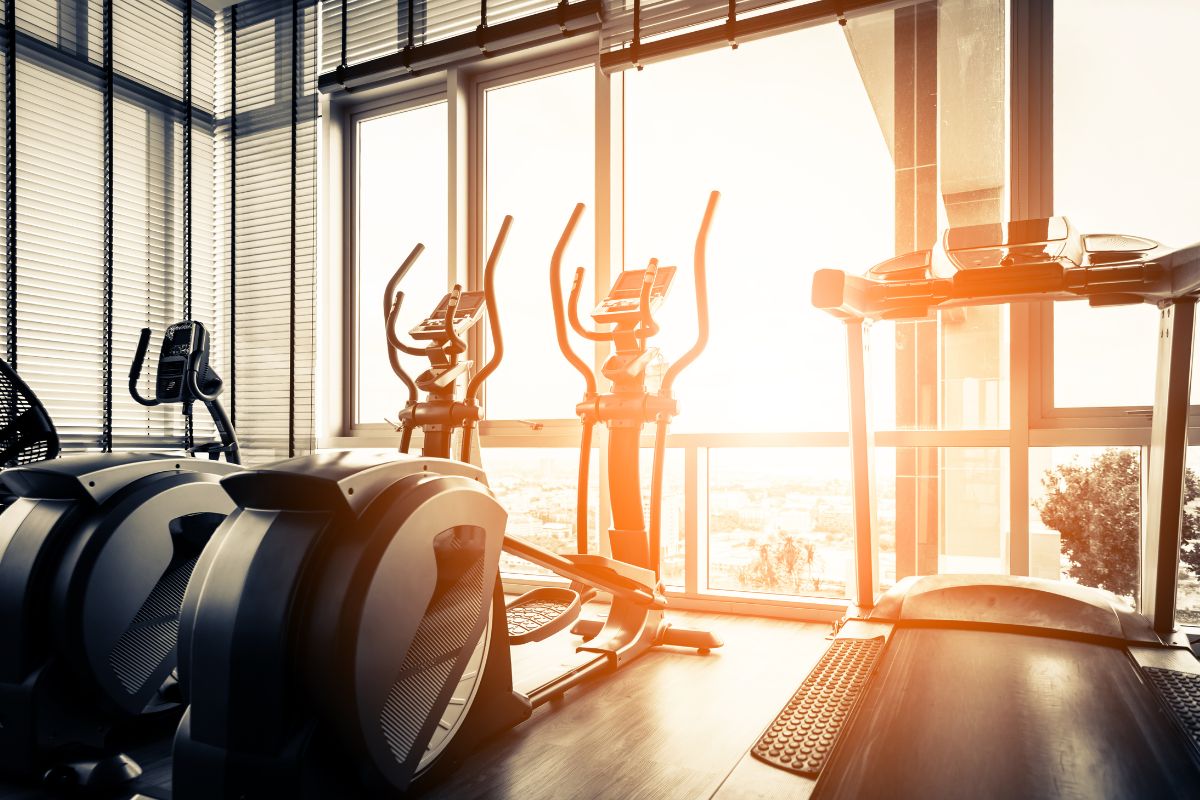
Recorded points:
(560, 325)
(389, 326)
(489, 299)
(399, 274)
(135, 370)
(701, 277)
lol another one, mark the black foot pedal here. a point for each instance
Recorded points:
(541, 613)
(803, 734)
(1180, 692)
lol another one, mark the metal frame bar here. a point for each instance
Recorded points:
(1168, 456)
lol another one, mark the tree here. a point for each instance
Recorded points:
(1096, 509)
(784, 563)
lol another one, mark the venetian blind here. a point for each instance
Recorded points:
(267, 132)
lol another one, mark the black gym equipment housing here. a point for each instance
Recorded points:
(95, 552)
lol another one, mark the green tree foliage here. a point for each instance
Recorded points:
(784, 563)
(1096, 508)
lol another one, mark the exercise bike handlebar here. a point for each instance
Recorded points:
(560, 325)
(135, 370)
(489, 298)
(701, 300)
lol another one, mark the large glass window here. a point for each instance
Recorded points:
(806, 183)
(1130, 175)
(1085, 516)
(780, 521)
(539, 161)
(400, 201)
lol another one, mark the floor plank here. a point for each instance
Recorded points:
(672, 724)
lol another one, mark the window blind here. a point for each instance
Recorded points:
(269, 161)
(96, 233)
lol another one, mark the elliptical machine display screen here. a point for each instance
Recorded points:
(622, 298)
(172, 362)
(470, 310)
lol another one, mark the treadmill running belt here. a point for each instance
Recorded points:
(803, 734)
(984, 714)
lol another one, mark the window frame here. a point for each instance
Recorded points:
(419, 97)
(1034, 421)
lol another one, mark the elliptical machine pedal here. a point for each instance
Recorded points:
(540, 613)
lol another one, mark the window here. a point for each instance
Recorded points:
(1129, 175)
(832, 146)
(798, 194)
(539, 161)
(400, 201)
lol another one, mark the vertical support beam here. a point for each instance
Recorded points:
(916, 164)
(695, 513)
(610, 233)
(458, 244)
(1031, 194)
(1168, 456)
(862, 466)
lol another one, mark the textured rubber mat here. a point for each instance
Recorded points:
(1181, 692)
(803, 734)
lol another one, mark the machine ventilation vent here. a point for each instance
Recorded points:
(154, 631)
(443, 634)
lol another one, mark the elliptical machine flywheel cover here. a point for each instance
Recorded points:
(398, 610)
(116, 598)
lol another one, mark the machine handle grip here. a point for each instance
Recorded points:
(701, 300)
(648, 327)
(396, 344)
(393, 336)
(560, 325)
(193, 379)
(573, 311)
(135, 370)
(489, 298)
(398, 276)
(457, 345)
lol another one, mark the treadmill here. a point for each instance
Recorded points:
(989, 686)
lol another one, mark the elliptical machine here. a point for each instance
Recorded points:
(27, 434)
(95, 553)
(350, 635)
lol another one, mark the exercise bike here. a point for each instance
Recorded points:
(350, 634)
(95, 553)
(27, 434)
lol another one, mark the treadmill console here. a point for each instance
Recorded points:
(183, 343)
(471, 308)
(621, 303)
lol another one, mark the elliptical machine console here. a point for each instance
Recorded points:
(95, 554)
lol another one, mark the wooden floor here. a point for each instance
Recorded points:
(672, 724)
